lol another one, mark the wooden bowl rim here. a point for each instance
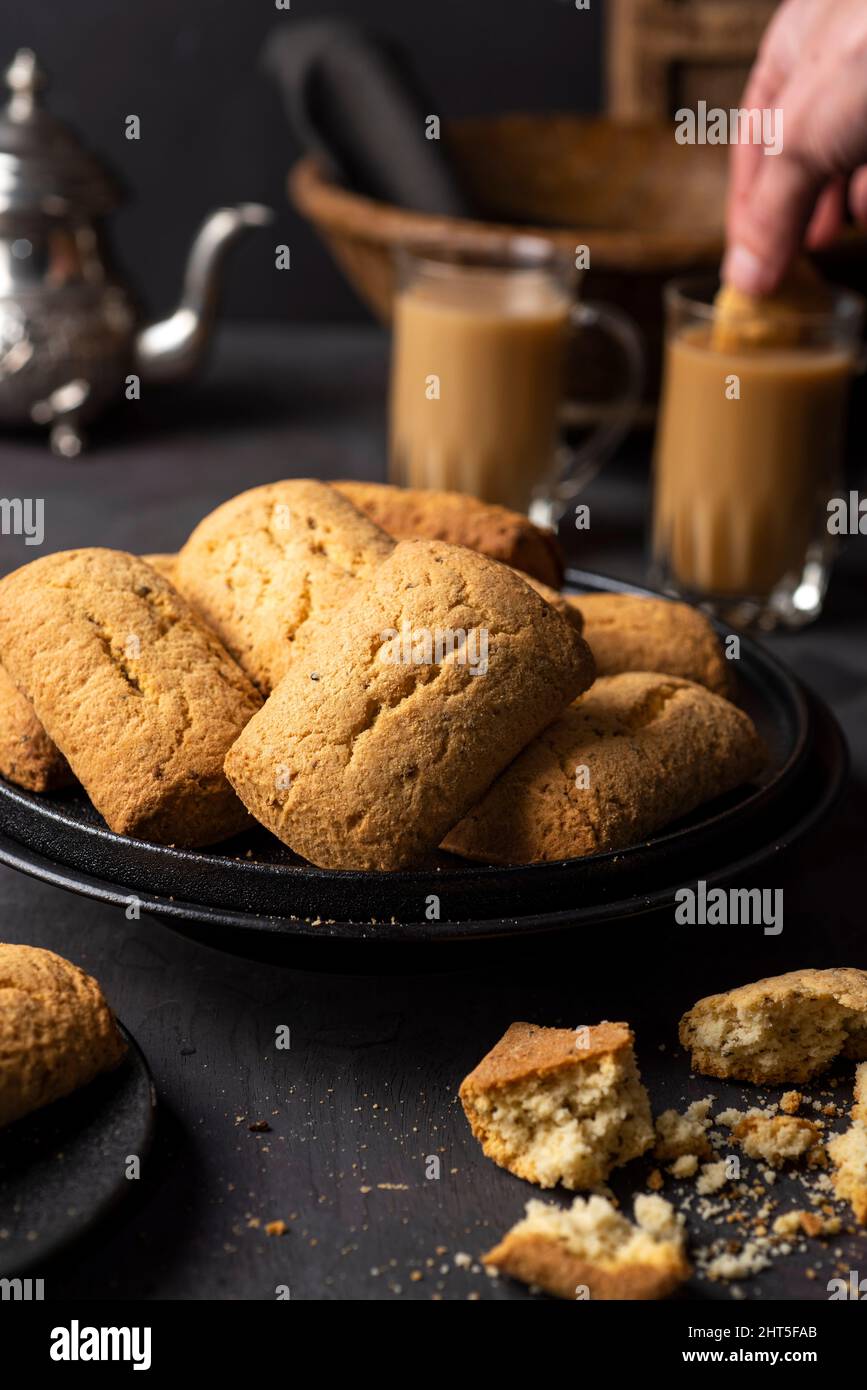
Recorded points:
(344, 213)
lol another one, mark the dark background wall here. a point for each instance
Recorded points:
(213, 128)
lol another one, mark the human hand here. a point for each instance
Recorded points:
(812, 64)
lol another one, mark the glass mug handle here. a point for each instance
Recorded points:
(579, 465)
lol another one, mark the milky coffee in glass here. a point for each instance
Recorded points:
(478, 374)
(748, 451)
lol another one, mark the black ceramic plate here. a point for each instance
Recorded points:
(253, 885)
(63, 1169)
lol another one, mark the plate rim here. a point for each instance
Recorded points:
(174, 911)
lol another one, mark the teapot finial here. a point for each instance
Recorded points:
(25, 79)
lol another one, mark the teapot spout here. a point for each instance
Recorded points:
(172, 348)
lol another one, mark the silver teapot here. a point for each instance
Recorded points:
(70, 337)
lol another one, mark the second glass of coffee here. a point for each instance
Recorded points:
(479, 376)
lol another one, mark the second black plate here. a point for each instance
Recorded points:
(64, 1168)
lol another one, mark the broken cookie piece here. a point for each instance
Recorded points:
(793, 1224)
(859, 1109)
(776, 1139)
(684, 1167)
(791, 1102)
(679, 1136)
(750, 1259)
(784, 1029)
(848, 1153)
(712, 1178)
(745, 322)
(560, 1104)
(591, 1249)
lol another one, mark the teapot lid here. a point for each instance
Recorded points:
(44, 168)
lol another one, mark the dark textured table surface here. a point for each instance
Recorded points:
(365, 1096)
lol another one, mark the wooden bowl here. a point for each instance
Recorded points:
(647, 207)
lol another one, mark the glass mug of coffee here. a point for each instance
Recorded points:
(478, 376)
(749, 449)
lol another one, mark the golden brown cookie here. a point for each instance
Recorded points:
(30, 759)
(164, 563)
(590, 1250)
(745, 322)
(132, 688)
(56, 1031)
(566, 607)
(27, 755)
(628, 633)
(560, 1105)
(635, 753)
(785, 1029)
(400, 713)
(418, 513)
(269, 565)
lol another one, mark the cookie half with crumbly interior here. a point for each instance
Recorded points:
(784, 1029)
(56, 1031)
(560, 1105)
(591, 1249)
(859, 1108)
(848, 1153)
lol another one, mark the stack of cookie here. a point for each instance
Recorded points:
(369, 672)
